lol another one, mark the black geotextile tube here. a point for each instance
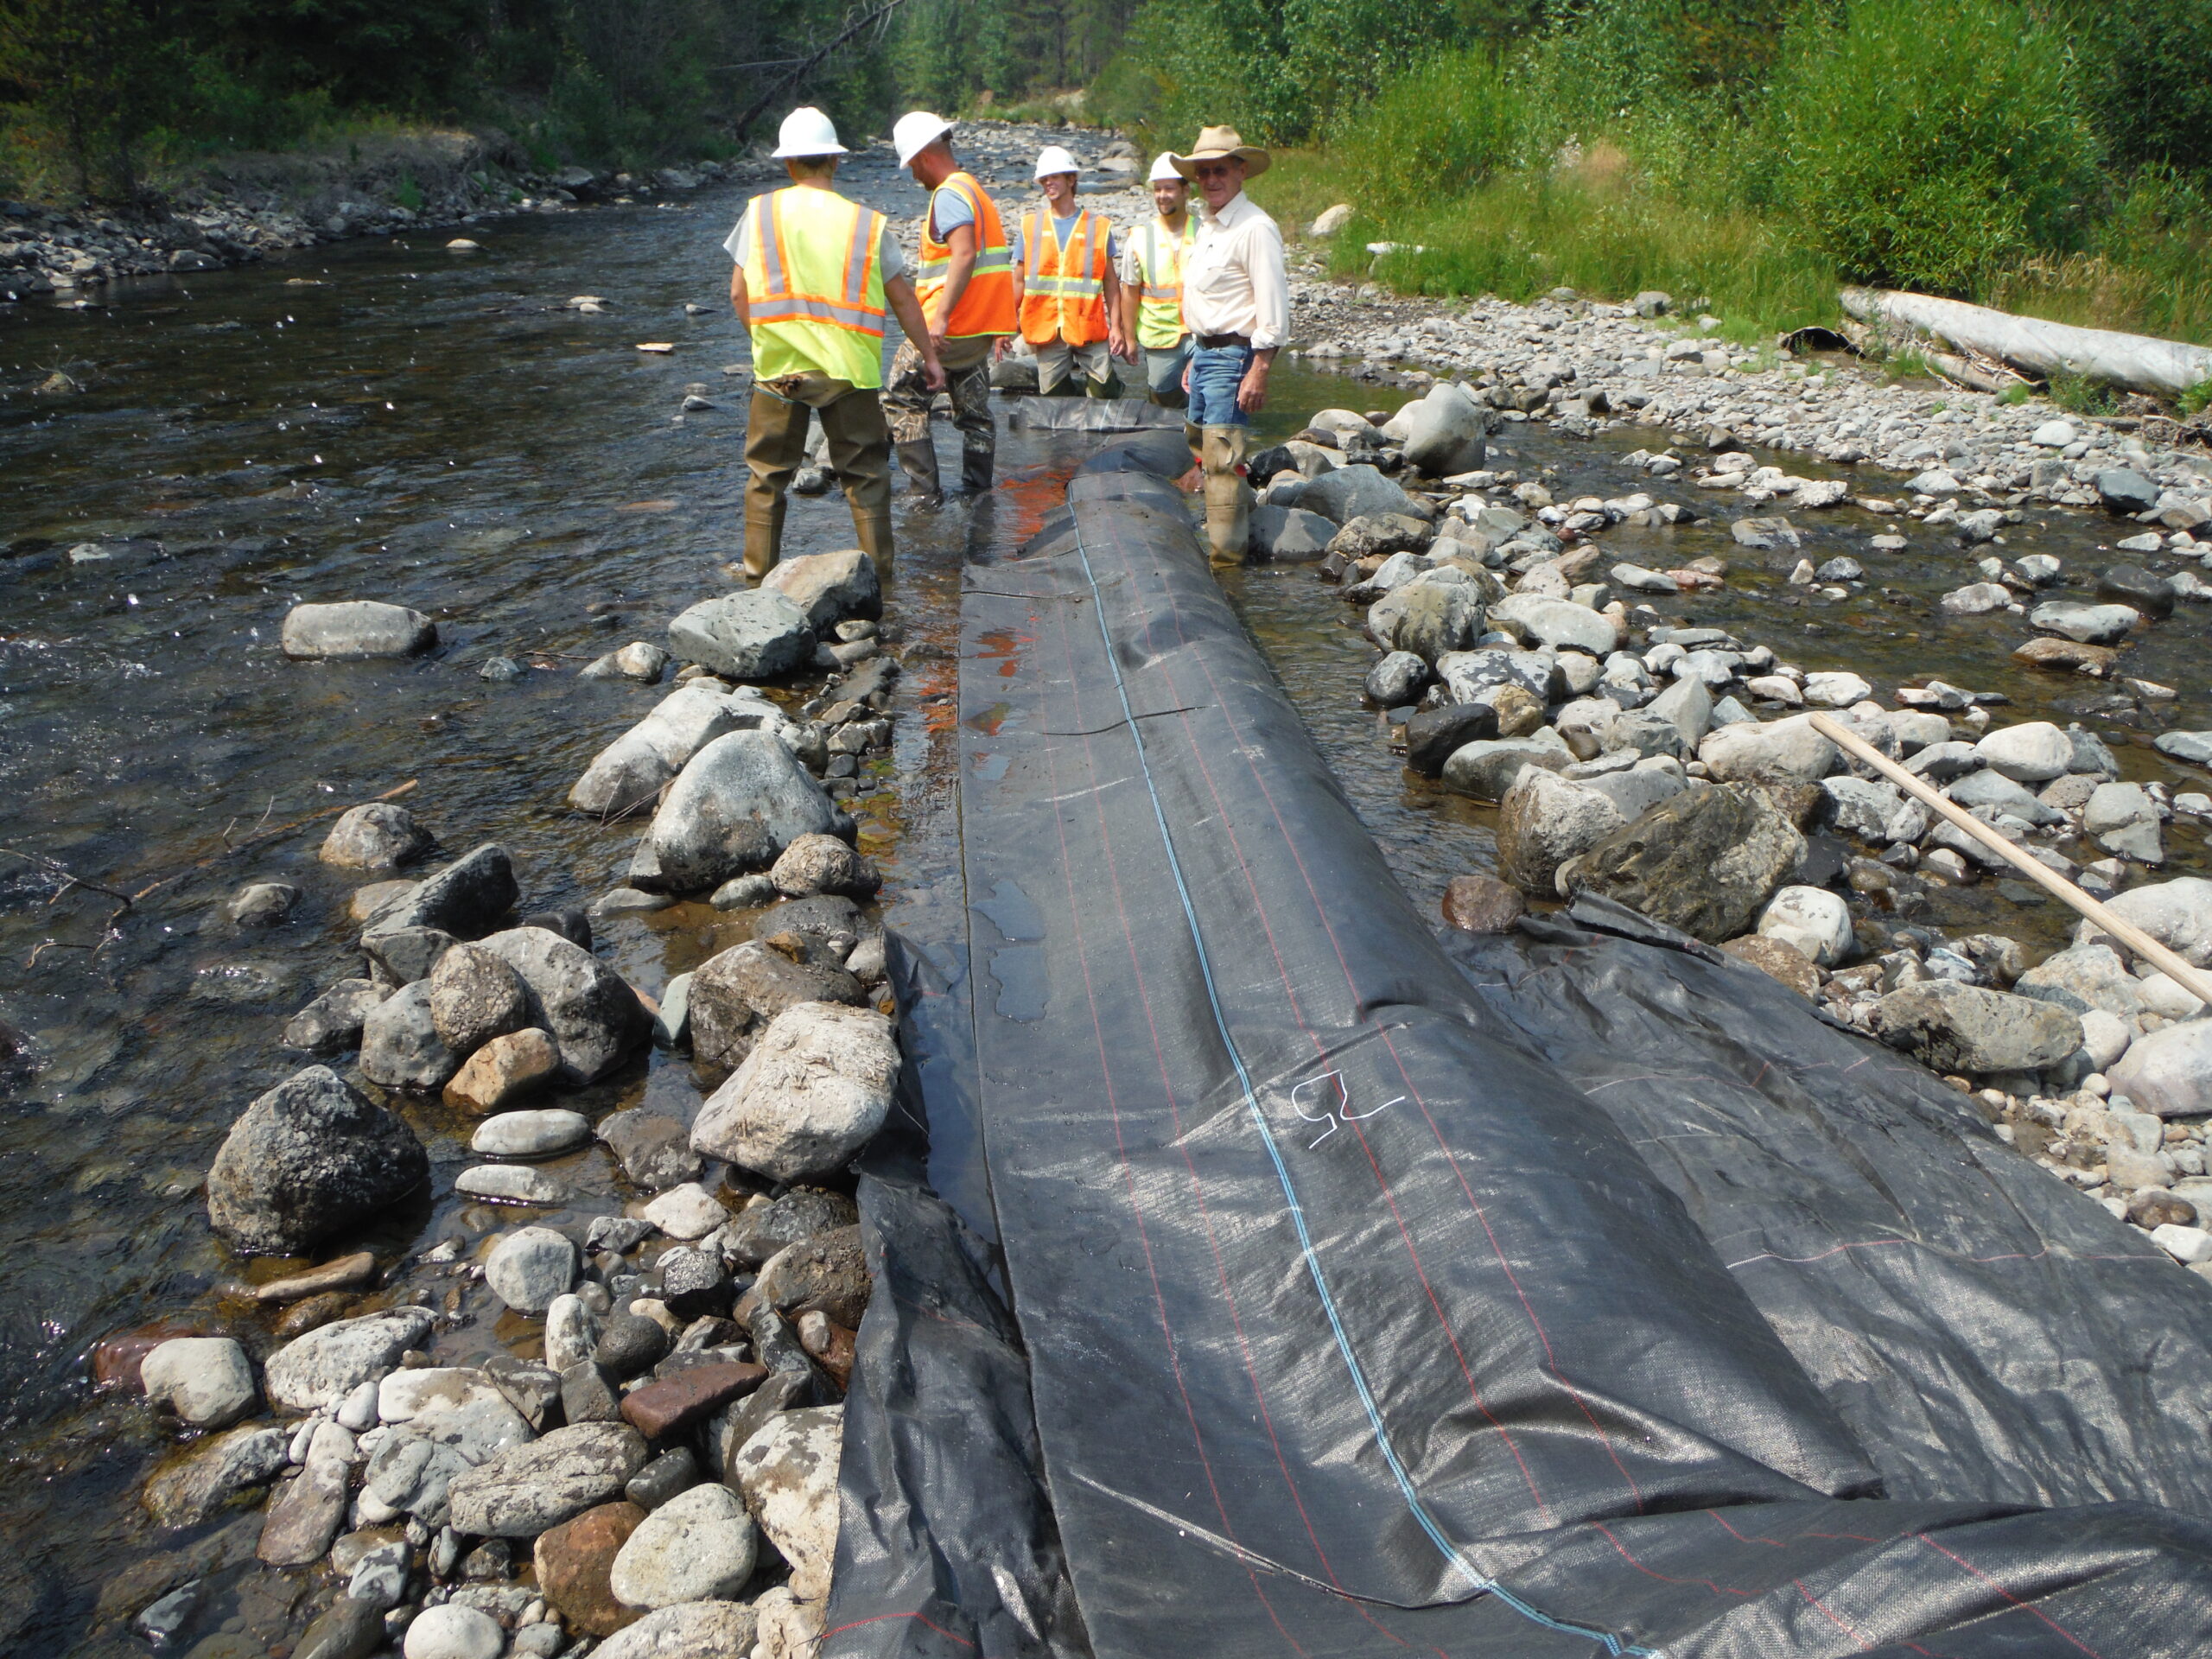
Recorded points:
(1360, 1315)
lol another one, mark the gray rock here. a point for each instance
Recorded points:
(594, 1015)
(1815, 921)
(2123, 819)
(207, 1381)
(655, 1150)
(1976, 599)
(2088, 625)
(819, 864)
(401, 955)
(2177, 913)
(1765, 535)
(331, 1024)
(638, 661)
(465, 899)
(1467, 674)
(454, 1631)
(698, 1546)
(1351, 493)
(265, 904)
(1558, 622)
(529, 1267)
(815, 1089)
(1445, 431)
(216, 1471)
(1291, 535)
(400, 1044)
(531, 1388)
(1429, 619)
(1954, 1028)
(749, 983)
(1993, 789)
(1395, 680)
(788, 1472)
(348, 1628)
(379, 1578)
(695, 1630)
(2125, 492)
(1861, 807)
(762, 1230)
(2087, 977)
(539, 1133)
(2194, 748)
(308, 1513)
(629, 1344)
(357, 628)
(1706, 862)
(1777, 752)
(409, 1473)
(530, 1489)
(739, 803)
(667, 1475)
(2170, 1071)
(571, 1330)
(321, 1367)
(511, 1183)
(828, 587)
(310, 1157)
(473, 997)
(1688, 705)
(2034, 752)
(1543, 821)
(1486, 769)
(755, 635)
(634, 768)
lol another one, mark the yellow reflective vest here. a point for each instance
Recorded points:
(814, 290)
(1160, 253)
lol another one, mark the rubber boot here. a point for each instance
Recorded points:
(1229, 497)
(873, 532)
(975, 471)
(918, 460)
(764, 538)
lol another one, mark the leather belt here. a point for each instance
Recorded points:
(1214, 342)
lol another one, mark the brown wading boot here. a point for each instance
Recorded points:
(1229, 497)
(764, 534)
(873, 533)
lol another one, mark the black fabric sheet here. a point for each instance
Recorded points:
(1575, 1295)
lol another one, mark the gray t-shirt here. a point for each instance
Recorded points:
(890, 257)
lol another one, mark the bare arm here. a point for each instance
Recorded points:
(1118, 334)
(961, 239)
(737, 300)
(898, 292)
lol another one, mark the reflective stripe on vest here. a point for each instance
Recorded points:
(1159, 314)
(814, 290)
(1062, 285)
(986, 305)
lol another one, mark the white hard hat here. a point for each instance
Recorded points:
(916, 131)
(1164, 169)
(807, 132)
(1052, 159)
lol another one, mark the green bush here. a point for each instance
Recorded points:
(1435, 132)
(2150, 65)
(1928, 144)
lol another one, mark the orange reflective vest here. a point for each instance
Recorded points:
(1064, 286)
(986, 305)
(814, 290)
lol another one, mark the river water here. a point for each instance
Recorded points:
(396, 422)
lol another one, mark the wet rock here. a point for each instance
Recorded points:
(2123, 819)
(474, 996)
(2168, 1072)
(402, 956)
(1429, 619)
(531, 1134)
(2125, 492)
(1765, 535)
(1482, 904)
(739, 803)
(265, 904)
(693, 1629)
(762, 1229)
(1485, 770)
(187, 1493)
(1291, 535)
(788, 1472)
(1558, 622)
(2065, 654)
(375, 835)
(348, 1629)
(207, 1381)
(2131, 585)
(1350, 493)
(323, 1367)
(1706, 862)
(331, 1024)
(750, 984)
(1543, 821)
(828, 587)
(671, 1404)
(754, 635)
(1976, 599)
(594, 1017)
(575, 1562)
(312, 1313)
(308, 1510)
(1778, 960)
(826, 1273)
(1395, 680)
(1779, 752)
(1435, 735)
(638, 661)
(819, 864)
(400, 1044)
(310, 1157)
(2194, 748)
(631, 770)
(2091, 624)
(355, 629)
(1815, 922)
(527, 1489)
(465, 899)
(345, 1273)
(696, 1546)
(1954, 1028)
(631, 1344)
(815, 1089)
(529, 1267)
(1445, 431)
(511, 1183)
(504, 1071)
(655, 1151)
(453, 1631)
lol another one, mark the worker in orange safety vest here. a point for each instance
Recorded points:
(1068, 294)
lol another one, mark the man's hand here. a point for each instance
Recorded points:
(932, 371)
(999, 351)
(1252, 390)
(1119, 344)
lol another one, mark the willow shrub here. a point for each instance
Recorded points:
(1930, 143)
(1437, 131)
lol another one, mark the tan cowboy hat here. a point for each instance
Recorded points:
(1220, 144)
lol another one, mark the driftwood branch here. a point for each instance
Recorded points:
(802, 68)
(69, 877)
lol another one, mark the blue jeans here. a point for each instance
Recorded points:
(1216, 372)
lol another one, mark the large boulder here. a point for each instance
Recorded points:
(321, 1367)
(739, 802)
(357, 628)
(311, 1158)
(1351, 493)
(755, 635)
(635, 767)
(2177, 913)
(1543, 821)
(594, 1017)
(529, 1489)
(1429, 619)
(1955, 1027)
(828, 587)
(1779, 752)
(1559, 623)
(465, 899)
(1445, 431)
(738, 988)
(2169, 1071)
(815, 1089)
(1706, 862)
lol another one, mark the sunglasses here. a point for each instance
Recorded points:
(1213, 169)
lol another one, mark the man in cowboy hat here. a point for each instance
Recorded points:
(814, 275)
(1236, 305)
(967, 290)
(1065, 284)
(1152, 284)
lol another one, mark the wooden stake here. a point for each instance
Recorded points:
(2193, 979)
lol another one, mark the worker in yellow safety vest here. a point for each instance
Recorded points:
(1151, 270)
(814, 275)
(967, 292)
(1069, 297)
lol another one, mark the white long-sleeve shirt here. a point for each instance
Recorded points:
(1234, 281)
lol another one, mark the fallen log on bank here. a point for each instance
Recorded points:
(2035, 346)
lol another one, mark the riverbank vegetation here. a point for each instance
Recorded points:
(2051, 156)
